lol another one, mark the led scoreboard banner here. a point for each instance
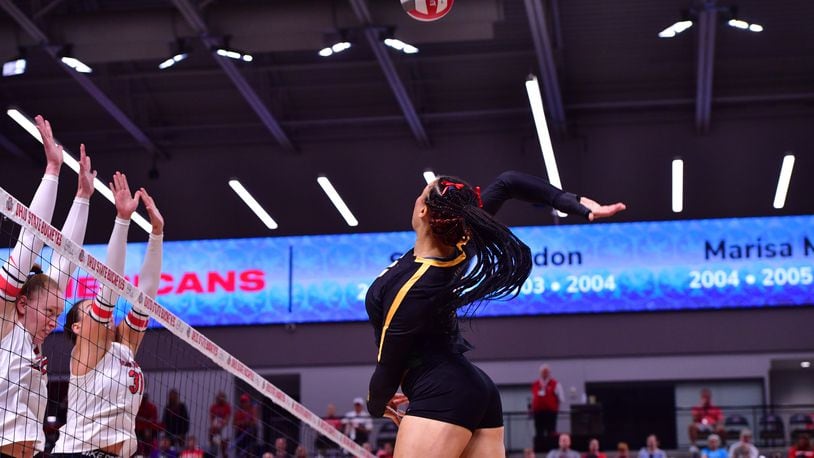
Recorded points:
(588, 268)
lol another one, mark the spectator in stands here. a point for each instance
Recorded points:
(301, 452)
(244, 424)
(325, 446)
(706, 419)
(281, 448)
(546, 397)
(386, 451)
(358, 423)
(164, 449)
(622, 450)
(176, 419)
(368, 447)
(744, 447)
(652, 450)
(528, 452)
(713, 448)
(192, 450)
(802, 448)
(219, 413)
(593, 450)
(146, 426)
(564, 451)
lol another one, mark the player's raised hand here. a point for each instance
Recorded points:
(126, 203)
(152, 211)
(86, 175)
(53, 150)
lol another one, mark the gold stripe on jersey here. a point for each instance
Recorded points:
(399, 298)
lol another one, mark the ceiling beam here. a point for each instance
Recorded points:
(545, 59)
(372, 35)
(87, 84)
(707, 25)
(196, 21)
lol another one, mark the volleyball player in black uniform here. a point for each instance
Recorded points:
(462, 256)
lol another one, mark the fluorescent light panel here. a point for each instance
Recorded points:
(743, 25)
(536, 101)
(783, 181)
(76, 64)
(255, 206)
(675, 29)
(329, 189)
(429, 176)
(173, 60)
(678, 185)
(14, 67)
(335, 48)
(29, 126)
(399, 45)
(234, 55)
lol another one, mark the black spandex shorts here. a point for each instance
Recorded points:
(451, 389)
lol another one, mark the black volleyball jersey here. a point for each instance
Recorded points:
(406, 303)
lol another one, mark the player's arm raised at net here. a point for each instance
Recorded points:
(95, 341)
(131, 330)
(15, 270)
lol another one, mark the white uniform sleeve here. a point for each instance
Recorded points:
(61, 268)
(151, 269)
(15, 271)
(116, 251)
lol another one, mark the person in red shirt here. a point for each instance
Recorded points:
(546, 396)
(219, 413)
(593, 450)
(146, 426)
(706, 418)
(192, 450)
(802, 448)
(244, 424)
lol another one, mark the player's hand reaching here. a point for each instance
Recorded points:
(86, 175)
(156, 219)
(53, 150)
(392, 410)
(126, 203)
(601, 211)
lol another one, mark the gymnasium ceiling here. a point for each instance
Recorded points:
(373, 119)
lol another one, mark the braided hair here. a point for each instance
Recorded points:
(498, 262)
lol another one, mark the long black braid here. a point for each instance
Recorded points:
(498, 262)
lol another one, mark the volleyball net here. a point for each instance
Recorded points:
(198, 399)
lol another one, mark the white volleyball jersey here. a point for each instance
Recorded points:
(23, 389)
(102, 405)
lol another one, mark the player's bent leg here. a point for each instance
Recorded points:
(485, 443)
(424, 438)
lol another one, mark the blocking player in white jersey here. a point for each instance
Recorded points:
(106, 383)
(31, 301)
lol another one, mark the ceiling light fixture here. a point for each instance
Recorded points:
(678, 185)
(399, 45)
(336, 199)
(536, 101)
(232, 54)
(336, 48)
(14, 67)
(783, 181)
(76, 64)
(252, 203)
(675, 29)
